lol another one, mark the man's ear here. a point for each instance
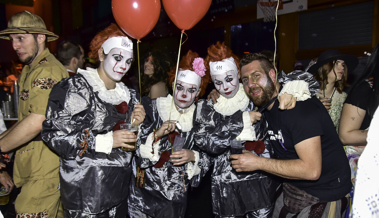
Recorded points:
(74, 61)
(272, 75)
(41, 38)
(101, 54)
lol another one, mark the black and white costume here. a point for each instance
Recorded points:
(81, 115)
(165, 187)
(233, 194)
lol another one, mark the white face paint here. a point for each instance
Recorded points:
(185, 94)
(227, 83)
(117, 63)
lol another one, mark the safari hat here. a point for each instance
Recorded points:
(332, 54)
(27, 22)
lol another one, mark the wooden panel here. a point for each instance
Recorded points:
(287, 41)
(375, 24)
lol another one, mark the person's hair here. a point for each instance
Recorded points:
(162, 65)
(265, 63)
(68, 50)
(270, 55)
(219, 52)
(186, 64)
(111, 31)
(322, 76)
(371, 71)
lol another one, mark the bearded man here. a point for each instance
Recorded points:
(309, 156)
(36, 167)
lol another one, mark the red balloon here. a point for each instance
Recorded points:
(136, 17)
(186, 13)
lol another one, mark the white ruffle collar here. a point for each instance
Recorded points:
(228, 106)
(113, 96)
(185, 119)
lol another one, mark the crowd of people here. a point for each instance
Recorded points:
(274, 144)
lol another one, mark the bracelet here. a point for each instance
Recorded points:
(155, 139)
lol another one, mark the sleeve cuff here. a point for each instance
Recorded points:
(145, 149)
(248, 132)
(297, 88)
(192, 168)
(104, 142)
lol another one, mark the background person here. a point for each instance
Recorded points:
(331, 71)
(35, 165)
(154, 75)
(358, 111)
(71, 55)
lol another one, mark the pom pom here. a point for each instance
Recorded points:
(199, 67)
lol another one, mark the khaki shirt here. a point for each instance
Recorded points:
(35, 160)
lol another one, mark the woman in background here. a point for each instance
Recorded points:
(358, 111)
(155, 78)
(331, 70)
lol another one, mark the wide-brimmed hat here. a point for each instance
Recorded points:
(27, 22)
(330, 55)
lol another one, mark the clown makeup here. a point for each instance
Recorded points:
(227, 83)
(185, 94)
(117, 63)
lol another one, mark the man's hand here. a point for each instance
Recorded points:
(254, 116)
(138, 114)
(245, 162)
(214, 95)
(287, 101)
(6, 181)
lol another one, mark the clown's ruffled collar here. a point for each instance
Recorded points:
(113, 96)
(228, 106)
(185, 119)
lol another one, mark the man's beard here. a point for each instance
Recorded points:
(30, 59)
(266, 95)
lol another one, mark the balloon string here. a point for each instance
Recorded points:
(139, 72)
(186, 37)
(176, 73)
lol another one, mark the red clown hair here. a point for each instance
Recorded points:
(111, 31)
(186, 64)
(219, 52)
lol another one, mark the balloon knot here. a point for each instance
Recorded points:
(182, 31)
(139, 41)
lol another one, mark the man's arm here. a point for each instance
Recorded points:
(8, 130)
(307, 167)
(23, 132)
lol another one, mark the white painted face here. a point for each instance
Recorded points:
(227, 83)
(185, 94)
(117, 63)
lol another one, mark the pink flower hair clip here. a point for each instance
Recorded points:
(199, 67)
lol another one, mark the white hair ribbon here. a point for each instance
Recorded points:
(220, 67)
(118, 42)
(189, 77)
